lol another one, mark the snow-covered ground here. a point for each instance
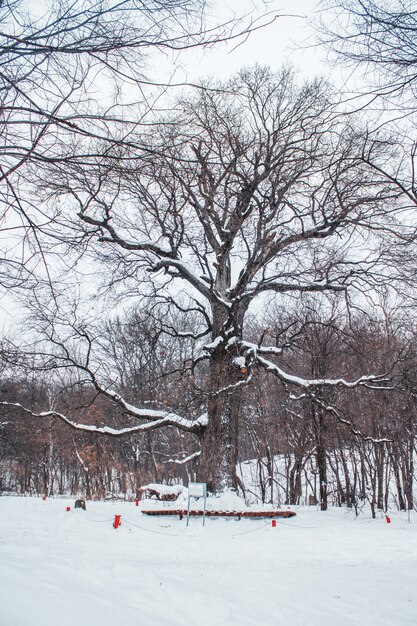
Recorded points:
(60, 568)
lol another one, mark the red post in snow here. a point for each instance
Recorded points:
(274, 523)
(117, 522)
(137, 502)
(388, 519)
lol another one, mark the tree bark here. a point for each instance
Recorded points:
(321, 453)
(219, 441)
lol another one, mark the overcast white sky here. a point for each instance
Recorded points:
(280, 42)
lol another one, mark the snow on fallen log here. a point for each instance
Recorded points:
(162, 492)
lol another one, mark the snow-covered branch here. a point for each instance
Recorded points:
(158, 419)
(284, 287)
(232, 387)
(257, 349)
(309, 383)
(185, 460)
(355, 431)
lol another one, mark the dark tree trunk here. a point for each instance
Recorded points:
(408, 473)
(396, 470)
(321, 458)
(321, 452)
(380, 466)
(219, 441)
(295, 481)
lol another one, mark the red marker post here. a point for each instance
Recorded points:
(388, 519)
(137, 502)
(274, 523)
(117, 521)
(68, 508)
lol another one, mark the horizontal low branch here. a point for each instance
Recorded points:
(284, 287)
(309, 383)
(160, 419)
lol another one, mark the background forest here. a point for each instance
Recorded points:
(289, 452)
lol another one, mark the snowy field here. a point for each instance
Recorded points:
(60, 568)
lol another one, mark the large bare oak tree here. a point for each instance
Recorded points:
(253, 190)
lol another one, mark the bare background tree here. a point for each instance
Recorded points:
(377, 39)
(70, 73)
(377, 36)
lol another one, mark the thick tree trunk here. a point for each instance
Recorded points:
(219, 441)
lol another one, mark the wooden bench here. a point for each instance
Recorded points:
(239, 514)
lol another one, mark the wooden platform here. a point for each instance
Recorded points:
(251, 514)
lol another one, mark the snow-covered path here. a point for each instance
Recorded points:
(61, 568)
